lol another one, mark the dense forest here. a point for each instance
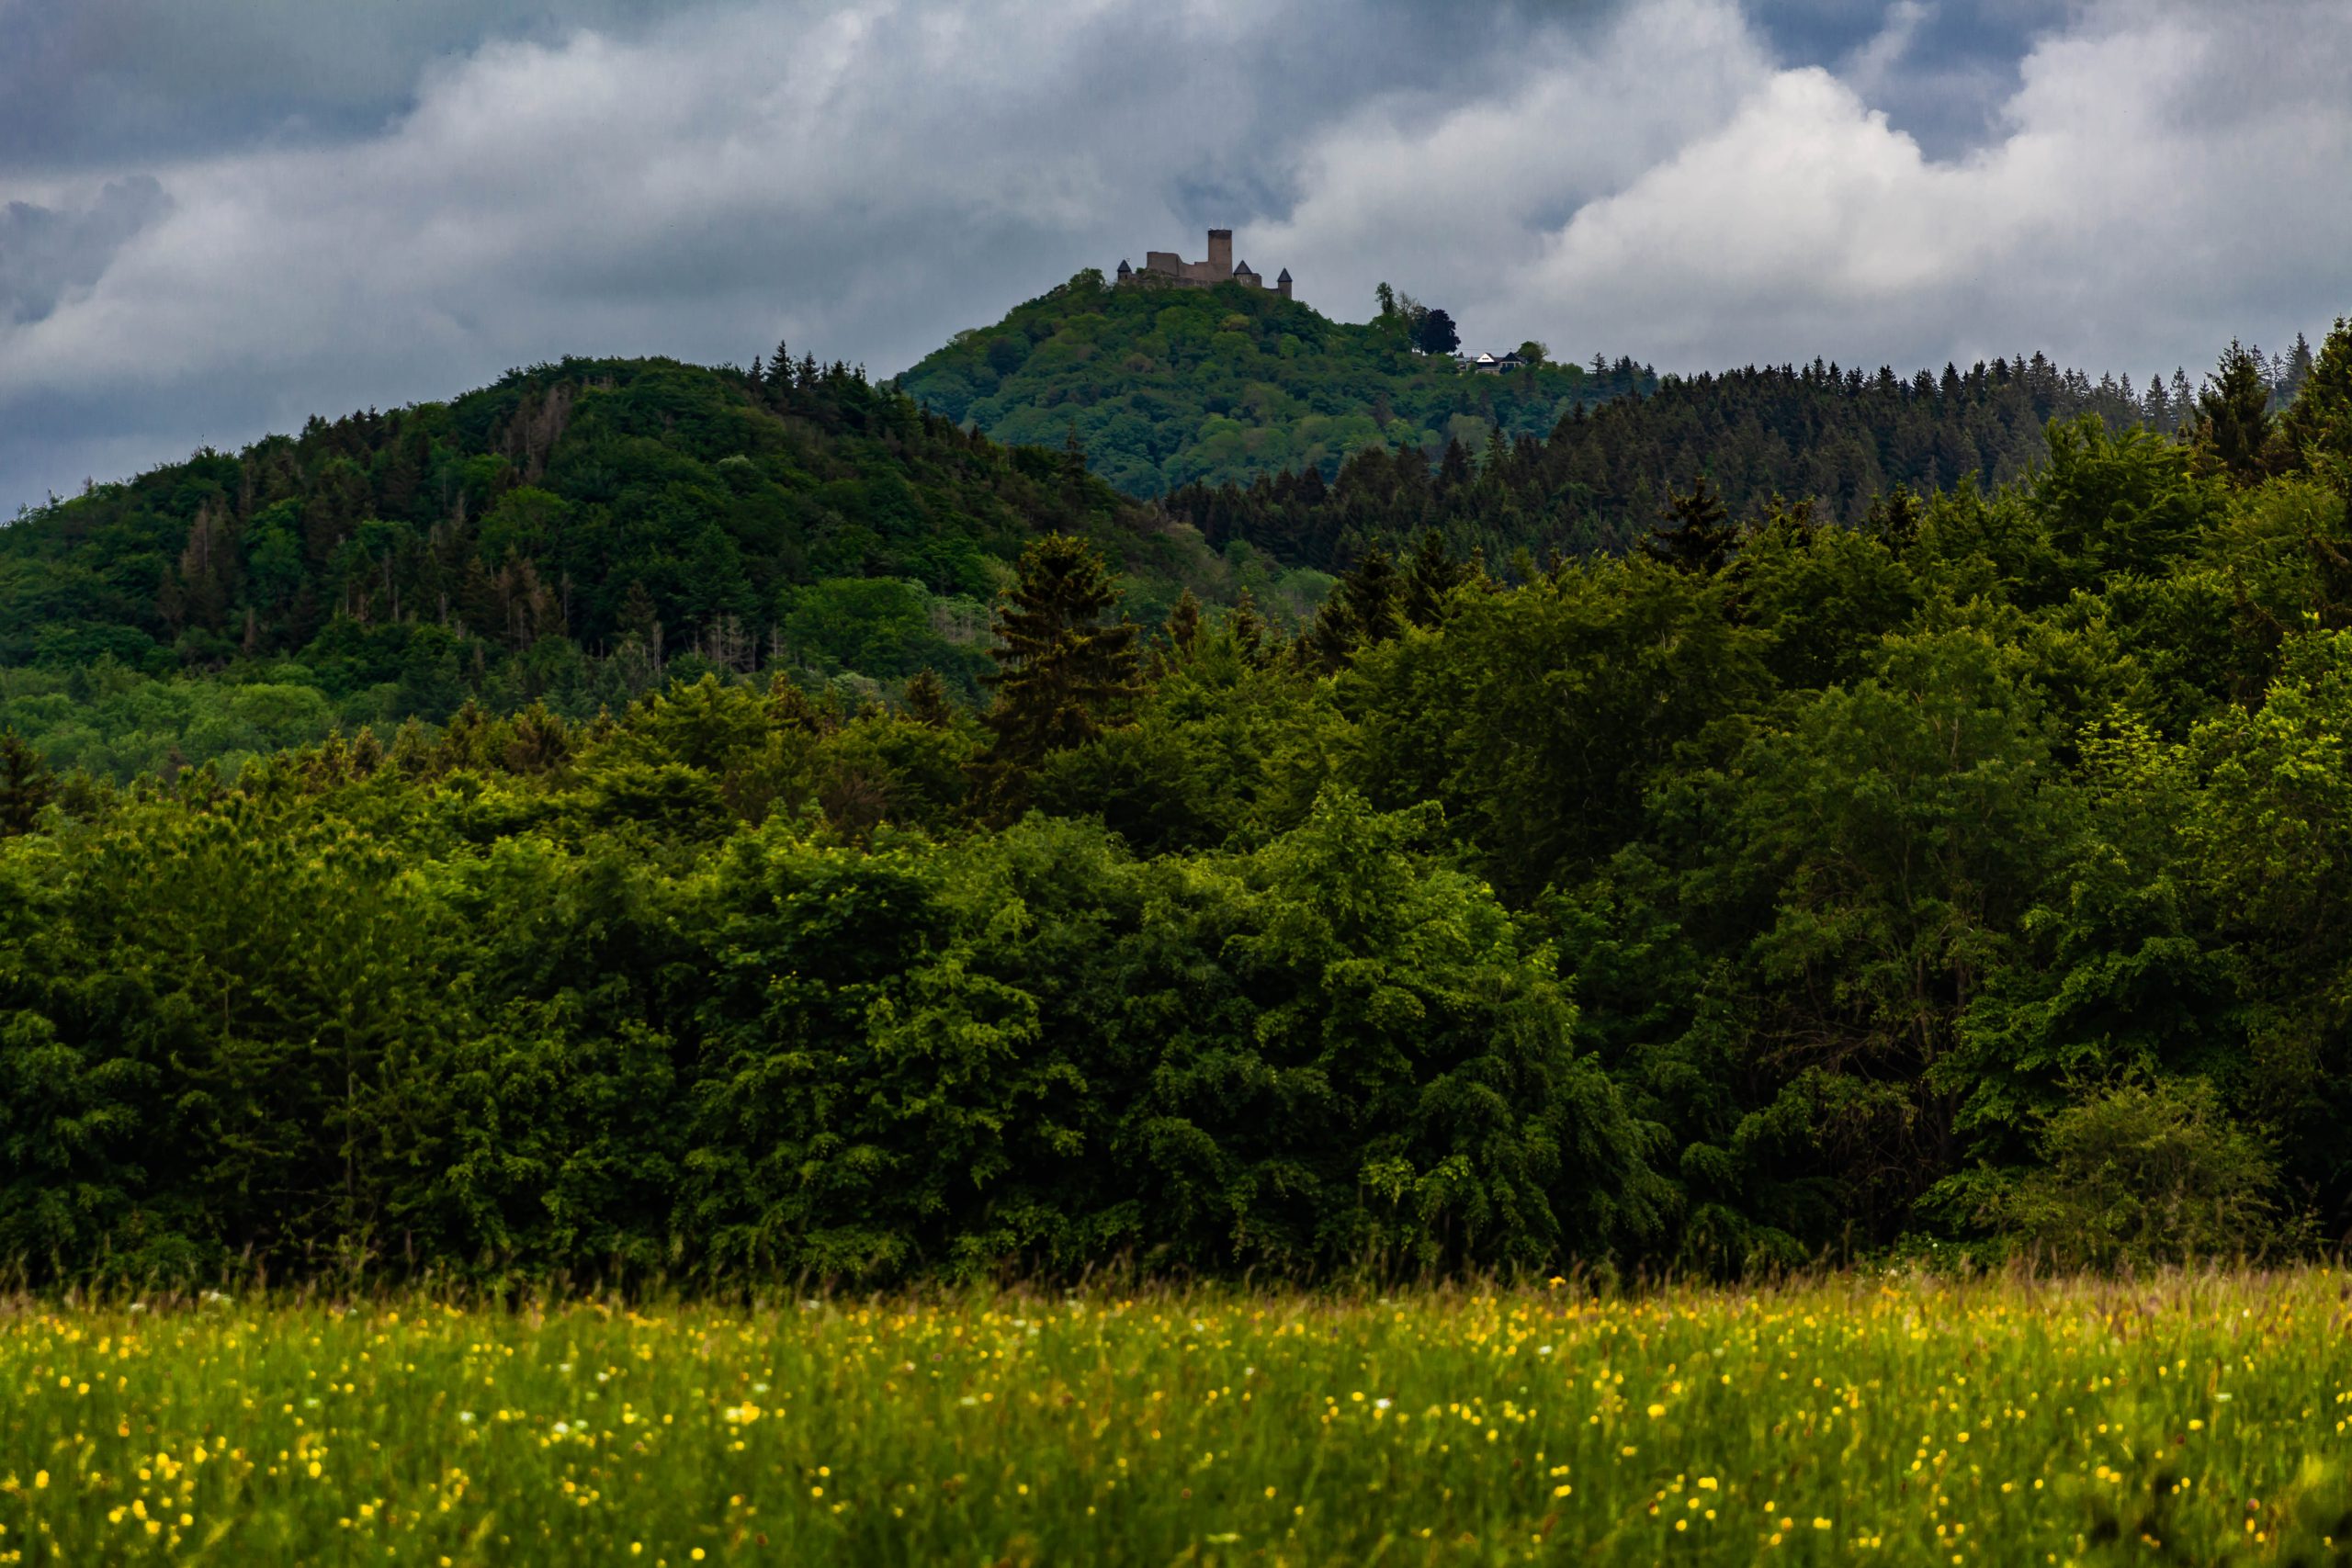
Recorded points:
(575, 535)
(1966, 875)
(1834, 437)
(1165, 387)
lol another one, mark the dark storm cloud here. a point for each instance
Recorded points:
(376, 202)
(95, 80)
(1940, 68)
(84, 81)
(44, 251)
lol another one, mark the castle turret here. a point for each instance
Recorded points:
(1167, 270)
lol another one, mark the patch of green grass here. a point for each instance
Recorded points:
(1892, 1421)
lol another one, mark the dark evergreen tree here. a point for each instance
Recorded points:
(1431, 580)
(2298, 370)
(927, 701)
(1367, 607)
(1698, 534)
(1893, 518)
(1184, 627)
(2234, 416)
(1066, 666)
(1250, 632)
(24, 786)
(2316, 430)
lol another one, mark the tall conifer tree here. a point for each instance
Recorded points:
(24, 784)
(927, 701)
(1367, 607)
(1065, 665)
(2234, 415)
(1184, 627)
(1697, 535)
(1432, 579)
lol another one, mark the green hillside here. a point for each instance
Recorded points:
(1171, 387)
(1824, 434)
(576, 533)
(1969, 881)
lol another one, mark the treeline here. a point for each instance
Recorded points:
(1834, 436)
(726, 989)
(1166, 388)
(1780, 889)
(577, 535)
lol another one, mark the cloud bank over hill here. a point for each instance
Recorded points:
(218, 216)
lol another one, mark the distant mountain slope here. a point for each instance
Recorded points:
(1169, 387)
(1600, 479)
(571, 535)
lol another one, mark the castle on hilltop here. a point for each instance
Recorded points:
(1167, 269)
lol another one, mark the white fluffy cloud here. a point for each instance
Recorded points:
(868, 176)
(864, 178)
(2156, 181)
(2160, 182)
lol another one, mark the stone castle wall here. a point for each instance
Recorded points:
(1167, 270)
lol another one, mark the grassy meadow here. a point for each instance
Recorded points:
(2190, 1419)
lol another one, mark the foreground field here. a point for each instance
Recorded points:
(2197, 1419)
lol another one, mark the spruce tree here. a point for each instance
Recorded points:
(1697, 535)
(790, 708)
(541, 740)
(1184, 627)
(2234, 415)
(1248, 629)
(2316, 429)
(26, 786)
(1430, 581)
(1895, 517)
(1065, 666)
(1367, 607)
(2298, 368)
(927, 701)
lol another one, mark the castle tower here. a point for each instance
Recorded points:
(1281, 283)
(1220, 255)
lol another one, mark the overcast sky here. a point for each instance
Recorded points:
(219, 216)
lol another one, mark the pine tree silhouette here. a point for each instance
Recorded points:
(1431, 580)
(1065, 668)
(2234, 415)
(1697, 535)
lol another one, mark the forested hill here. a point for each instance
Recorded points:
(1600, 477)
(574, 534)
(1169, 387)
(1972, 878)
